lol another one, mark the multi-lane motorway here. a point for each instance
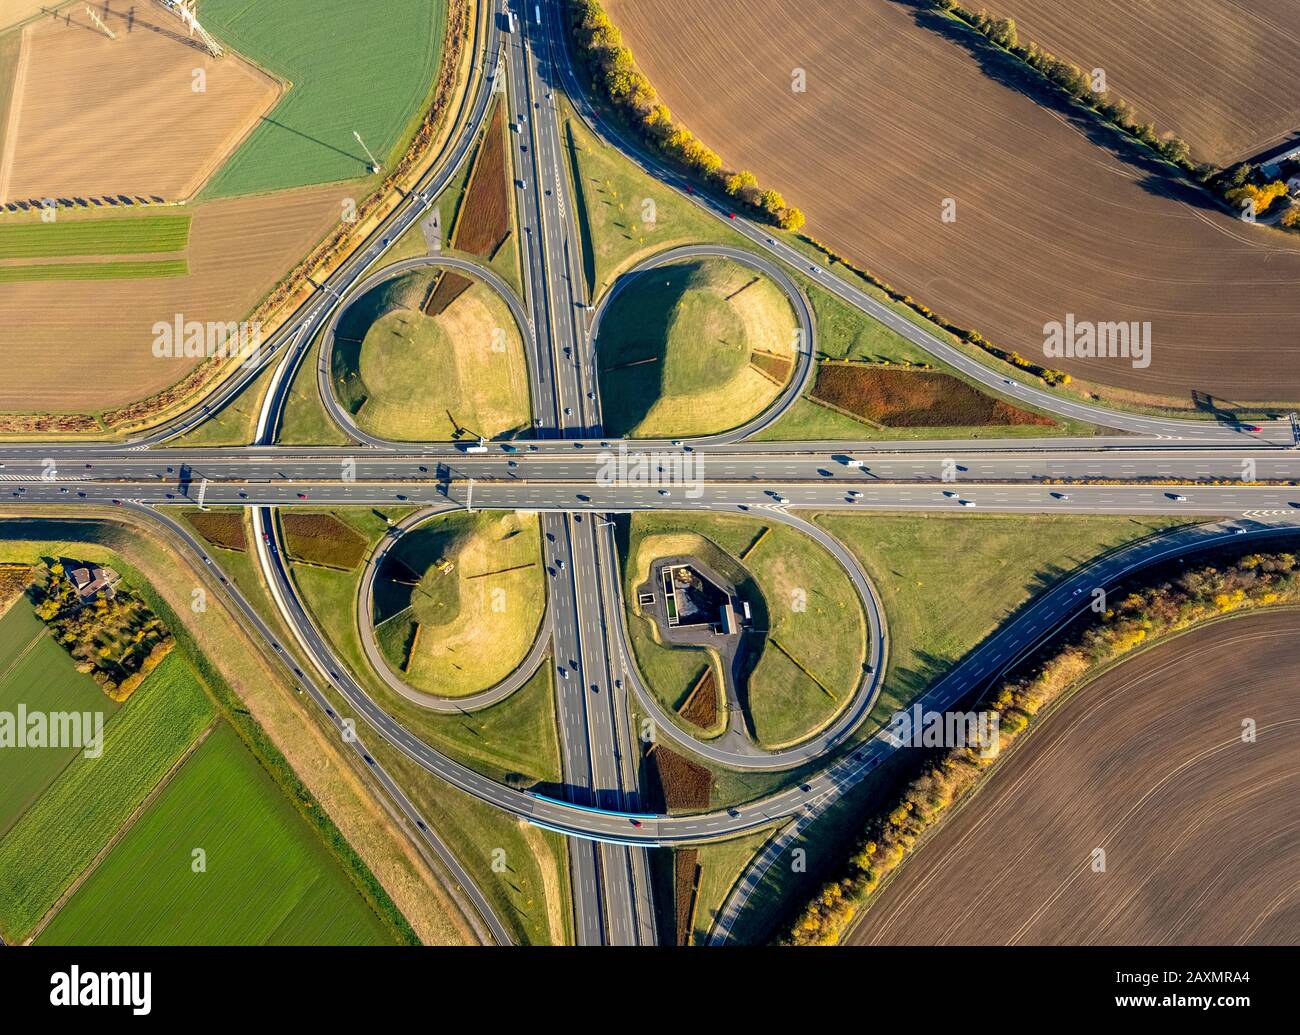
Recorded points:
(1238, 479)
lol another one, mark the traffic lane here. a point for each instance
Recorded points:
(1198, 500)
(670, 464)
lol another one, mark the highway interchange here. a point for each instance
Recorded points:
(1241, 481)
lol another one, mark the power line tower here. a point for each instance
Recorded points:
(187, 11)
(100, 23)
(374, 164)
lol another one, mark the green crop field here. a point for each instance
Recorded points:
(130, 236)
(39, 674)
(265, 876)
(59, 836)
(94, 270)
(352, 67)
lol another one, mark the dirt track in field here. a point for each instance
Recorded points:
(1052, 217)
(87, 345)
(1201, 831)
(94, 116)
(1221, 74)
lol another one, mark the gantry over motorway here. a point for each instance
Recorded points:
(1149, 466)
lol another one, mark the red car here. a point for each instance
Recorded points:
(731, 215)
(635, 822)
(1254, 429)
(302, 495)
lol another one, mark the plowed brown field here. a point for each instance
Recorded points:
(1201, 830)
(1222, 74)
(92, 116)
(902, 111)
(91, 346)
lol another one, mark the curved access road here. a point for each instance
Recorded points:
(434, 702)
(324, 363)
(760, 264)
(765, 241)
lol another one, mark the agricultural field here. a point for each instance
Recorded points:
(39, 675)
(693, 348)
(1054, 214)
(307, 761)
(267, 878)
(803, 659)
(1217, 73)
(237, 250)
(62, 271)
(407, 374)
(353, 68)
(14, 11)
(93, 798)
(459, 600)
(94, 118)
(1146, 761)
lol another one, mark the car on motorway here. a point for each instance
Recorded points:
(117, 503)
(950, 495)
(1177, 497)
(1238, 531)
(564, 672)
(664, 492)
(302, 495)
(854, 494)
(1254, 429)
(1063, 496)
(967, 503)
(635, 822)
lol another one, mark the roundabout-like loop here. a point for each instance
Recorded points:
(379, 663)
(738, 751)
(325, 364)
(799, 303)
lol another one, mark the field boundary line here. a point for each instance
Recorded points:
(122, 831)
